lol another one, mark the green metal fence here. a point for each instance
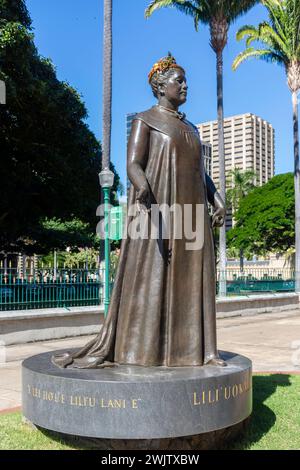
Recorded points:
(50, 288)
(258, 280)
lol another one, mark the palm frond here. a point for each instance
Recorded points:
(272, 3)
(228, 10)
(251, 52)
(249, 31)
(233, 9)
(186, 7)
(279, 37)
(269, 36)
(205, 11)
(156, 5)
(277, 15)
(293, 13)
(264, 33)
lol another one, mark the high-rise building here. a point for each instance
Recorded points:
(129, 118)
(207, 155)
(249, 145)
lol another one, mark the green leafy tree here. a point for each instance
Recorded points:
(279, 42)
(50, 160)
(242, 182)
(83, 258)
(265, 218)
(218, 15)
(59, 235)
(15, 11)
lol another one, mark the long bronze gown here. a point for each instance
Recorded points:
(162, 310)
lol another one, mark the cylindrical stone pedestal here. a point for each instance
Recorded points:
(137, 403)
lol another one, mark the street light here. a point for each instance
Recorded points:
(106, 178)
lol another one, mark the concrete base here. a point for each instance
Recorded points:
(131, 402)
(256, 304)
(25, 326)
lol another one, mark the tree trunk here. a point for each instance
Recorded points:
(106, 137)
(297, 191)
(222, 264)
(107, 84)
(241, 260)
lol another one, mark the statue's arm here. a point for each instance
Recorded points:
(215, 199)
(137, 154)
(213, 196)
(211, 189)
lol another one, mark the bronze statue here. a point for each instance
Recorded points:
(163, 308)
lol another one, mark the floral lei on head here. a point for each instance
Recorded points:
(164, 64)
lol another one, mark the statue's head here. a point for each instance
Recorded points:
(167, 79)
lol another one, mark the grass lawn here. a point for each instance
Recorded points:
(275, 422)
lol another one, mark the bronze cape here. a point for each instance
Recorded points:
(162, 310)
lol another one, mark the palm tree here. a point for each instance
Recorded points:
(242, 183)
(107, 84)
(280, 43)
(219, 15)
(107, 176)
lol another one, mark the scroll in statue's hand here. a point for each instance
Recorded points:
(143, 200)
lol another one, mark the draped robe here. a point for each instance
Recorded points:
(162, 310)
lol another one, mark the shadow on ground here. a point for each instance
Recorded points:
(262, 418)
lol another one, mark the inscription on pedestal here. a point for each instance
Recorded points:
(82, 401)
(135, 402)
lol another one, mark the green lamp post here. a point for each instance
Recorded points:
(106, 178)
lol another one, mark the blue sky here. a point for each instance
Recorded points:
(70, 33)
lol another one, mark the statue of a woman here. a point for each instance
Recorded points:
(163, 308)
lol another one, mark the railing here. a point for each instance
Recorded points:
(258, 280)
(49, 288)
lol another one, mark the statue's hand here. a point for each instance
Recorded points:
(219, 215)
(143, 199)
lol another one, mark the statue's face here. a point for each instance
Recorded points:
(175, 88)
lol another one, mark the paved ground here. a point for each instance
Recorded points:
(272, 341)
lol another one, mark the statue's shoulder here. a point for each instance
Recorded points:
(154, 119)
(148, 117)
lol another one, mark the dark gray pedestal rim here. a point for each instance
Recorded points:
(132, 402)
